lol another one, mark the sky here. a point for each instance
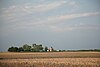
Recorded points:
(62, 24)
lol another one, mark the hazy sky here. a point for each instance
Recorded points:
(62, 24)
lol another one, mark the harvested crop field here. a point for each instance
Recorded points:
(50, 59)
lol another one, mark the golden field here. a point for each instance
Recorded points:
(50, 59)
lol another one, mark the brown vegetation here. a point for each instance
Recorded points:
(50, 59)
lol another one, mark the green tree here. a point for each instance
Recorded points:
(40, 47)
(20, 49)
(10, 49)
(37, 48)
(13, 49)
(26, 48)
(45, 49)
(33, 45)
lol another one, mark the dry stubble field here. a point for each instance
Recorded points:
(50, 59)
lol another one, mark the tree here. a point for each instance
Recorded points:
(33, 45)
(51, 49)
(40, 47)
(10, 49)
(16, 49)
(37, 48)
(45, 49)
(20, 49)
(26, 48)
(13, 49)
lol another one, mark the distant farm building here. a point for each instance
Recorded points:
(50, 49)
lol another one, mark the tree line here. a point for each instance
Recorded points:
(32, 48)
(40, 48)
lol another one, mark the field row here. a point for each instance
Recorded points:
(50, 55)
(51, 62)
(50, 59)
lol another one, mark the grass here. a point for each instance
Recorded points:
(50, 59)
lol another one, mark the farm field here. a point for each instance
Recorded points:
(50, 59)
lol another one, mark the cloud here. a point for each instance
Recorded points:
(72, 16)
(71, 27)
(15, 12)
(73, 4)
(23, 16)
(49, 6)
(28, 7)
(60, 29)
(53, 22)
(58, 19)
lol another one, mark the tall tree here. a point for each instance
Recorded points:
(13, 49)
(20, 49)
(37, 48)
(26, 48)
(33, 44)
(45, 49)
